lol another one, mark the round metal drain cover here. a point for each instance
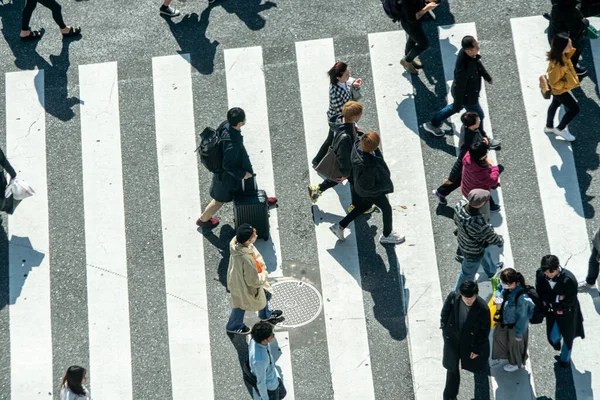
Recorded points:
(300, 302)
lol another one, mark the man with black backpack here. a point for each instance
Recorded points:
(223, 153)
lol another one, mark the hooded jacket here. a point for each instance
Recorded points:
(466, 85)
(246, 284)
(371, 173)
(472, 232)
(344, 136)
(476, 176)
(562, 78)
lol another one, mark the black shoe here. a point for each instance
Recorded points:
(547, 16)
(274, 314)
(441, 198)
(560, 362)
(556, 346)
(494, 144)
(243, 331)
(275, 321)
(494, 207)
(169, 11)
(580, 71)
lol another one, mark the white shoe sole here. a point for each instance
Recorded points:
(439, 133)
(333, 230)
(388, 241)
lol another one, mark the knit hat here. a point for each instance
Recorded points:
(244, 233)
(478, 197)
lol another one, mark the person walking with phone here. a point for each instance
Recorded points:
(562, 78)
(411, 20)
(342, 89)
(269, 383)
(30, 5)
(236, 167)
(466, 86)
(465, 325)
(557, 288)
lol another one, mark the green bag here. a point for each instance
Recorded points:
(591, 32)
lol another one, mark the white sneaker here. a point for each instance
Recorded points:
(335, 229)
(510, 368)
(583, 285)
(393, 237)
(565, 134)
(552, 131)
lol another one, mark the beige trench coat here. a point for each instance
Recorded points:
(246, 284)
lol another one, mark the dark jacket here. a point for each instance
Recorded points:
(467, 138)
(371, 174)
(473, 338)
(567, 17)
(466, 86)
(8, 168)
(236, 163)
(472, 232)
(570, 322)
(342, 145)
(409, 10)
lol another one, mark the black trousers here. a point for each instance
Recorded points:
(324, 148)
(452, 384)
(417, 41)
(30, 5)
(446, 188)
(567, 100)
(593, 267)
(363, 204)
(327, 184)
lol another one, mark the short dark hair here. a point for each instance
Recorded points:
(235, 116)
(550, 263)
(478, 150)
(468, 288)
(468, 42)
(262, 330)
(469, 118)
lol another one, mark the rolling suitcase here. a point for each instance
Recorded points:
(250, 207)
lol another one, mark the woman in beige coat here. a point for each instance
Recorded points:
(247, 281)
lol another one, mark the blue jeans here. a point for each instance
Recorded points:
(447, 112)
(555, 336)
(470, 267)
(236, 318)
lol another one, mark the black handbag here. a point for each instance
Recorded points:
(329, 167)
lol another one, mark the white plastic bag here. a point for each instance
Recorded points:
(19, 189)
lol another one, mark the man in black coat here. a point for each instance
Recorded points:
(465, 324)
(3, 182)
(557, 288)
(411, 19)
(567, 17)
(236, 168)
(466, 86)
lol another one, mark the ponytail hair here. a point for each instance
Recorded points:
(338, 69)
(510, 275)
(73, 379)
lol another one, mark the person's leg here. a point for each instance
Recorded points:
(56, 12)
(236, 319)
(359, 208)
(410, 42)
(265, 313)
(324, 148)
(26, 16)
(167, 3)
(567, 100)
(500, 343)
(452, 384)
(578, 43)
(446, 188)
(485, 211)
(516, 349)
(327, 184)
(489, 266)
(442, 115)
(552, 112)
(493, 203)
(210, 210)
(422, 43)
(386, 209)
(565, 353)
(593, 267)
(468, 269)
(555, 335)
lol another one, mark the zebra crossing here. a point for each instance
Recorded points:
(191, 344)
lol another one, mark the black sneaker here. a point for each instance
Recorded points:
(494, 144)
(580, 71)
(169, 11)
(243, 331)
(274, 314)
(275, 321)
(495, 207)
(560, 362)
(441, 199)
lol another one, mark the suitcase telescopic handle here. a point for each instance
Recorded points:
(253, 180)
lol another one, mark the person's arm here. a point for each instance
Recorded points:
(252, 277)
(460, 84)
(259, 367)
(446, 310)
(231, 153)
(524, 311)
(482, 335)
(570, 296)
(483, 72)
(556, 76)
(487, 235)
(494, 176)
(343, 155)
(6, 165)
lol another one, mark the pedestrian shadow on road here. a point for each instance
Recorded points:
(190, 34)
(55, 96)
(248, 11)
(241, 347)
(221, 242)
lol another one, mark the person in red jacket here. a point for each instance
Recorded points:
(478, 172)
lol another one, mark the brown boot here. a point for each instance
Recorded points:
(417, 63)
(409, 67)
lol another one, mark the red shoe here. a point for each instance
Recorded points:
(211, 223)
(271, 201)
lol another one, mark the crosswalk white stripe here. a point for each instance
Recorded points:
(561, 199)
(246, 89)
(29, 266)
(401, 145)
(105, 245)
(450, 37)
(185, 280)
(351, 371)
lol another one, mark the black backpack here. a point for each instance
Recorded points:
(538, 312)
(210, 149)
(392, 9)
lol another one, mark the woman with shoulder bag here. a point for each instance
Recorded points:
(511, 333)
(562, 78)
(342, 88)
(72, 387)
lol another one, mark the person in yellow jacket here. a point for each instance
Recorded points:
(247, 282)
(562, 79)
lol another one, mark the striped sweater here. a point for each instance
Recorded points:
(474, 234)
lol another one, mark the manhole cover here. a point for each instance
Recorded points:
(300, 302)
